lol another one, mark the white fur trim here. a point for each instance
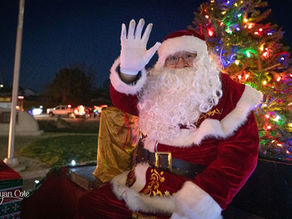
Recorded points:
(140, 173)
(118, 183)
(186, 43)
(235, 119)
(123, 87)
(215, 128)
(136, 201)
(193, 202)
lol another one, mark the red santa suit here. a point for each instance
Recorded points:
(225, 141)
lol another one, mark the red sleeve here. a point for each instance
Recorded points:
(126, 103)
(236, 155)
(236, 160)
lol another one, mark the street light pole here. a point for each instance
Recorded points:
(10, 160)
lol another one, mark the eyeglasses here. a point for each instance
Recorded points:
(187, 57)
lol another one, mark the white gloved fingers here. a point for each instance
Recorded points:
(134, 56)
(131, 30)
(139, 28)
(147, 33)
(123, 32)
(150, 52)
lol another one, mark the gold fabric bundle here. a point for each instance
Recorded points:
(118, 137)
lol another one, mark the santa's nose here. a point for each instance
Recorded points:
(180, 63)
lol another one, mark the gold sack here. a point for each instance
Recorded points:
(117, 139)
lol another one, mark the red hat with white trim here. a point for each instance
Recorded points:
(183, 40)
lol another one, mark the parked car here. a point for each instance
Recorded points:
(61, 110)
(36, 111)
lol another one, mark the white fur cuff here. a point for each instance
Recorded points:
(121, 86)
(191, 202)
(137, 201)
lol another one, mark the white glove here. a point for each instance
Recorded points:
(134, 56)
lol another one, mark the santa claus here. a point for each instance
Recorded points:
(199, 141)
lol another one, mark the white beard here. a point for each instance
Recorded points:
(175, 97)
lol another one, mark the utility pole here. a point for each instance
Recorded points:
(10, 160)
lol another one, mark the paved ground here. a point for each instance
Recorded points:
(31, 170)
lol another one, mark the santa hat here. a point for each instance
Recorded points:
(183, 40)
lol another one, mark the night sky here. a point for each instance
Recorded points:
(58, 33)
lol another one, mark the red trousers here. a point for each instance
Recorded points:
(102, 203)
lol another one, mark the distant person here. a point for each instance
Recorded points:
(199, 141)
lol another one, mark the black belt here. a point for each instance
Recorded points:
(165, 161)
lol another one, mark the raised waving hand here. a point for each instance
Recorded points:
(134, 55)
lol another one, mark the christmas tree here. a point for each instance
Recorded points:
(251, 50)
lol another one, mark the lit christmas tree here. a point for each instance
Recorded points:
(253, 52)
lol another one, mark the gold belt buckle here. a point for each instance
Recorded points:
(169, 159)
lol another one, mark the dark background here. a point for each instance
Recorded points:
(58, 33)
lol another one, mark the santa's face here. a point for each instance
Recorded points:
(181, 59)
(176, 96)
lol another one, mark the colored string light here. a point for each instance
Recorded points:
(250, 25)
(248, 54)
(277, 118)
(210, 33)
